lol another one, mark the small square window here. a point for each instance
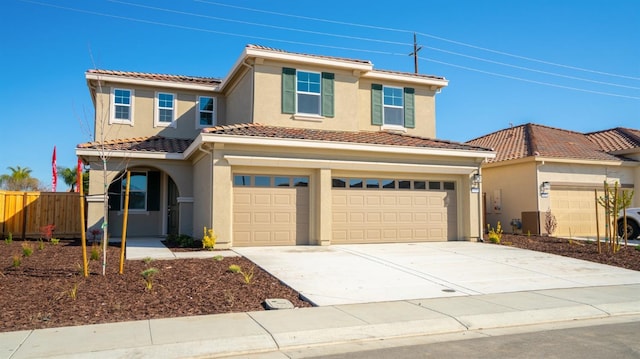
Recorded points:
(301, 181)
(262, 181)
(388, 184)
(434, 185)
(122, 106)
(338, 183)
(404, 184)
(165, 109)
(282, 181)
(449, 186)
(355, 182)
(241, 180)
(373, 183)
(419, 185)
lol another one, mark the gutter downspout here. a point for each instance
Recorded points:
(253, 87)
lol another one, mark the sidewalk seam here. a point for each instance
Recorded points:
(439, 312)
(266, 330)
(21, 344)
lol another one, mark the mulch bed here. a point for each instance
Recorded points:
(39, 292)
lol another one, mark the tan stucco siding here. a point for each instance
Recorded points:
(510, 190)
(143, 112)
(239, 98)
(202, 201)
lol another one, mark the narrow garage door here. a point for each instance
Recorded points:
(574, 210)
(393, 210)
(270, 210)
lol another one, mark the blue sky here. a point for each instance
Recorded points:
(567, 64)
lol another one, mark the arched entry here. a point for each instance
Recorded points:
(173, 209)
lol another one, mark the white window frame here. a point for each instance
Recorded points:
(318, 94)
(174, 108)
(112, 117)
(384, 119)
(214, 119)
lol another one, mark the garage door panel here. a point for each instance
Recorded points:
(574, 210)
(393, 215)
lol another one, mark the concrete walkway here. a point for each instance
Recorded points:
(268, 332)
(460, 289)
(152, 247)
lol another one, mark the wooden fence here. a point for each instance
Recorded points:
(23, 214)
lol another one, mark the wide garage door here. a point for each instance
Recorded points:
(270, 210)
(574, 210)
(371, 210)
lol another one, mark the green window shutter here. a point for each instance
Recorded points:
(327, 94)
(153, 191)
(376, 104)
(288, 90)
(409, 108)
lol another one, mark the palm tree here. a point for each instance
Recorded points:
(69, 176)
(19, 180)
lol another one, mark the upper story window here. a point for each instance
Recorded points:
(393, 106)
(165, 109)
(121, 106)
(307, 93)
(206, 111)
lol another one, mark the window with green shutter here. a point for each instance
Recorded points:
(376, 104)
(409, 108)
(309, 93)
(288, 90)
(327, 94)
(393, 106)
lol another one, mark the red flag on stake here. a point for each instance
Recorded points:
(79, 175)
(54, 171)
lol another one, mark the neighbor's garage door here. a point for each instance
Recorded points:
(574, 210)
(370, 210)
(270, 210)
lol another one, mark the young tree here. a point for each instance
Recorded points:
(69, 176)
(19, 180)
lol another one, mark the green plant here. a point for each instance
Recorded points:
(27, 249)
(17, 260)
(40, 244)
(9, 238)
(148, 275)
(248, 277)
(637, 248)
(209, 239)
(529, 233)
(234, 268)
(218, 258)
(73, 292)
(95, 252)
(182, 240)
(55, 241)
(495, 234)
(147, 260)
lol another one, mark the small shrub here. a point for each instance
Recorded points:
(182, 240)
(248, 277)
(17, 260)
(495, 234)
(147, 260)
(27, 249)
(637, 248)
(9, 238)
(47, 231)
(529, 233)
(148, 275)
(40, 244)
(218, 258)
(55, 241)
(209, 239)
(550, 222)
(95, 252)
(73, 292)
(95, 234)
(234, 268)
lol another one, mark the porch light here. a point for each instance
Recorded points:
(545, 187)
(475, 183)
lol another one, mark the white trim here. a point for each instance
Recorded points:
(185, 199)
(287, 142)
(95, 198)
(406, 78)
(174, 109)
(307, 117)
(393, 106)
(393, 128)
(235, 160)
(318, 94)
(122, 79)
(214, 112)
(130, 154)
(112, 106)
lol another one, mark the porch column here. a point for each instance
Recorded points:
(222, 199)
(324, 201)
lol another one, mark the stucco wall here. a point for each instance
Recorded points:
(202, 179)
(239, 100)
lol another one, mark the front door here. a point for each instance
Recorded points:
(173, 210)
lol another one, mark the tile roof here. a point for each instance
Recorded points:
(616, 139)
(536, 140)
(362, 137)
(158, 77)
(142, 144)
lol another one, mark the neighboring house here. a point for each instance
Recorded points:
(539, 168)
(288, 149)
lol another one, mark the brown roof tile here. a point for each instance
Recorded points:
(158, 77)
(616, 139)
(363, 137)
(142, 144)
(536, 140)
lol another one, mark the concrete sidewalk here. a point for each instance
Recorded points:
(271, 331)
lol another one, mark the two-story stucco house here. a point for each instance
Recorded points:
(287, 149)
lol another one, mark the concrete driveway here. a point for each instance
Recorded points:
(363, 273)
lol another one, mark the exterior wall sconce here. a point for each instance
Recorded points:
(545, 188)
(475, 183)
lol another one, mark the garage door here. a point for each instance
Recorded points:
(371, 210)
(270, 210)
(574, 210)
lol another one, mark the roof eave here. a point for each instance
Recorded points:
(146, 82)
(407, 78)
(93, 152)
